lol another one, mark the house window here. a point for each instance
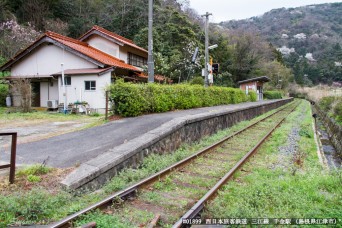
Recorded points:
(136, 60)
(67, 80)
(90, 85)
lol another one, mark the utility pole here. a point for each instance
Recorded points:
(206, 81)
(150, 43)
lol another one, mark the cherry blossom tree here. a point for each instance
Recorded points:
(15, 37)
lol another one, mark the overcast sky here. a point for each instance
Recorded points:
(224, 10)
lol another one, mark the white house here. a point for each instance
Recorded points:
(89, 64)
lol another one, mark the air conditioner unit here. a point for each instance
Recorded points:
(52, 104)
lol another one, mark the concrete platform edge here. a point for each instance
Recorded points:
(167, 138)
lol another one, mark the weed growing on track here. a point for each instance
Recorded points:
(268, 187)
(102, 220)
(39, 206)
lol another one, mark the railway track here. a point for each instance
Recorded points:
(182, 190)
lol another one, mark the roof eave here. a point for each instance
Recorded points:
(104, 35)
(262, 79)
(79, 54)
(110, 69)
(21, 54)
(96, 32)
(46, 39)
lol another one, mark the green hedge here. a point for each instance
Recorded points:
(252, 96)
(272, 95)
(135, 99)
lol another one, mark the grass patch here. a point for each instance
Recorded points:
(269, 188)
(32, 173)
(102, 220)
(37, 169)
(10, 114)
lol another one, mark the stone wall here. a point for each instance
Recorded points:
(164, 139)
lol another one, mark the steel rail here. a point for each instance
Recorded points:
(132, 189)
(198, 207)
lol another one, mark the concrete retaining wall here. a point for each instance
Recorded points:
(165, 139)
(334, 130)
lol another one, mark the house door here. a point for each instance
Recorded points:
(35, 94)
(259, 91)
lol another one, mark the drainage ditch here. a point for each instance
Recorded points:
(330, 137)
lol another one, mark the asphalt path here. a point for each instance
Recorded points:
(77, 147)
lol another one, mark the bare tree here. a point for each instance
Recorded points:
(23, 88)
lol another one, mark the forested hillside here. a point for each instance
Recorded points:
(243, 51)
(310, 39)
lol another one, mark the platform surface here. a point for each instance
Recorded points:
(78, 147)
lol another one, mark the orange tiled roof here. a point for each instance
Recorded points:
(89, 51)
(114, 36)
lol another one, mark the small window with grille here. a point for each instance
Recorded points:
(90, 85)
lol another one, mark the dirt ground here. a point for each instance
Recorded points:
(34, 130)
(49, 182)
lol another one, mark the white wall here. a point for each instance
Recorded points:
(76, 91)
(113, 49)
(124, 55)
(48, 91)
(106, 46)
(46, 60)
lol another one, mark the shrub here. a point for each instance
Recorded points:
(128, 100)
(252, 96)
(197, 81)
(135, 99)
(326, 103)
(272, 95)
(3, 94)
(338, 111)
(160, 98)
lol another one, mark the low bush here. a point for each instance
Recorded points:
(272, 95)
(197, 81)
(326, 103)
(332, 105)
(252, 96)
(135, 99)
(129, 100)
(338, 111)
